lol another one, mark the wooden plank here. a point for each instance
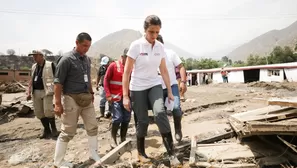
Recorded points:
(224, 135)
(280, 115)
(192, 159)
(286, 102)
(222, 165)
(261, 111)
(230, 151)
(115, 154)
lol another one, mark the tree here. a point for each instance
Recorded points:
(238, 63)
(295, 48)
(282, 55)
(10, 52)
(47, 52)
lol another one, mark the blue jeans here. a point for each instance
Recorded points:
(177, 112)
(103, 97)
(119, 113)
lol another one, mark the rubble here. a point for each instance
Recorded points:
(16, 109)
(12, 87)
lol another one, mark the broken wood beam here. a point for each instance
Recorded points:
(115, 154)
(293, 147)
(192, 159)
(225, 135)
(282, 150)
(287, 102)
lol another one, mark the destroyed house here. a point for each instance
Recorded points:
(264, 73)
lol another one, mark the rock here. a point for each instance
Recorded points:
(30, 154)
(229, 110)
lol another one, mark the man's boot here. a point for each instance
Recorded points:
(102, 110)
(168, 143)
(124, 129)
(143, 158)
(46, 132)
(114, 130)
(52, 122)
(93, 147)
(178, 128)
(108, 113)
(60, 154)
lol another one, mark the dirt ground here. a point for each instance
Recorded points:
(207, 109)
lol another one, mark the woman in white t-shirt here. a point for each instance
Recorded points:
(145, 56)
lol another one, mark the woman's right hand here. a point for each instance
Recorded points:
(126, 103)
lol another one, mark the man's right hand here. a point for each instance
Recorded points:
(29, 97)
(58, 109)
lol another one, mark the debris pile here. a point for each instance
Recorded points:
(264, 137)
(12, 87)
(13, 110)
(273, 85)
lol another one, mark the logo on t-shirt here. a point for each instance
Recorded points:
(143, 54)
(157, 54)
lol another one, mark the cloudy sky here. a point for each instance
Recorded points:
(198, 26)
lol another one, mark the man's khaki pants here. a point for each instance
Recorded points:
(43, 105)
(70, 119)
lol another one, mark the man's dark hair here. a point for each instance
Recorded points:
(160, 38)
(152, 20)
(83, 36)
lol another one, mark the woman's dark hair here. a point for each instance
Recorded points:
(152, 20)
(83, 36)
(160, 38)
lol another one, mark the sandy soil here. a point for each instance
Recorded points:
(207, 109)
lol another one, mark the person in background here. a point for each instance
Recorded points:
(73, 81)
(100, 86)
(206, 78)
(144, 57)
(172, 61)
(41, 88)
(224, 75)
(114, 94)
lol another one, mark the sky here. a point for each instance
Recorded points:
(197, 26)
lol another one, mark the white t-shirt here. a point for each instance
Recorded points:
(147, 61)
(172, 61)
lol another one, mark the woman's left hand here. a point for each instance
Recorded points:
(170, 97)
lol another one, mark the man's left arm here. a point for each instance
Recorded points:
(182, 70)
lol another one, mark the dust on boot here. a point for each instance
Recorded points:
(52, 122)
(124, 129)
(114, 130)
(178, 128)
(46, 132)
(142, 157)
(102, 110)
(168, 143)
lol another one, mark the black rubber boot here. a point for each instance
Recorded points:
(52, 122)
(143, 158)
(46, 132)
(178, 128)
(102, 110)
(114, 130)
(124, 129)
(168, 143)
(108, 114)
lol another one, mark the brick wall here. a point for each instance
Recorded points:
(18, 75)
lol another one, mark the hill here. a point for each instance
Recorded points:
(113, 44)
(265, 43)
